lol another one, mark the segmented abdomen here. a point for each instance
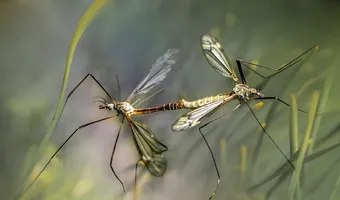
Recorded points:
(164, 107)
(204, 101)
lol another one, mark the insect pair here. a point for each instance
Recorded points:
(151, 149)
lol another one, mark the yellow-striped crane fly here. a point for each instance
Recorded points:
(149, 148)
(242, 92)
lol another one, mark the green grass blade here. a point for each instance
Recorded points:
(294, 142)
(81, 27)
(303, 149)
(294, 138)
(286, 168)
(320, 109)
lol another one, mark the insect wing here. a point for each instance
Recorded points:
(157, 165)
(157, 73)
(194, 117)
(150, 149)
(214, 54)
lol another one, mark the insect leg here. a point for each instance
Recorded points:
(217, 118)
(279, 70)
(112, 154)
(296, 60)
(239, 66)
(264, 130)
(208, 123)
(118, 86)
(216, 168)
(278, 99)
(61, 146)
(135, 187)
(74, 89)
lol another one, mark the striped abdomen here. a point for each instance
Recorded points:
(170, 106)
(204, 101)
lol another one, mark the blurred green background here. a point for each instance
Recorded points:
(124, 40)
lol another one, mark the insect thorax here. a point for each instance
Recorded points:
(244, 91)
(125, 107)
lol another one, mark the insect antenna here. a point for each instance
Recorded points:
(100, 101)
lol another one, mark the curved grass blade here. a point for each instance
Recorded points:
(83, 23)
(295, 180)
(285, 168)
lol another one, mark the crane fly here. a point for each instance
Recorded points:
(149, 148)
(242, 92)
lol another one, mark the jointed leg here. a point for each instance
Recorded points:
(264, 130)
(216, 168)
(119, 92)
(135, 186)
(210, 122)
(278, 99)
(112, 154)
(62, 145)
(277, 71)
(74, 89)
(239, 66)
(217, 118)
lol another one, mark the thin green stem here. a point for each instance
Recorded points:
(303, 149)
(81, 27)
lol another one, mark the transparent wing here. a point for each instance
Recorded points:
(214, 54)
(157, 165)
(195, 116)
(149, 148)
(157, 73)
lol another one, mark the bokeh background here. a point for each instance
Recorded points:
(124, 40)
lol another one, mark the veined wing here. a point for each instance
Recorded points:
(157, 73)
(150, 149)
(195, 116)
(214, 54)
(156, 165)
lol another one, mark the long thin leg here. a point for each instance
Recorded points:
(217, 118)
(277, 71)
(216, 168)
(135, 186)
(287, 65)
(266, 78)
(119, 92)
(61, 146)
(88, 75)
(112, 154)
(264, 130)
(278, 99)
(239, 66)
(74, 89)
